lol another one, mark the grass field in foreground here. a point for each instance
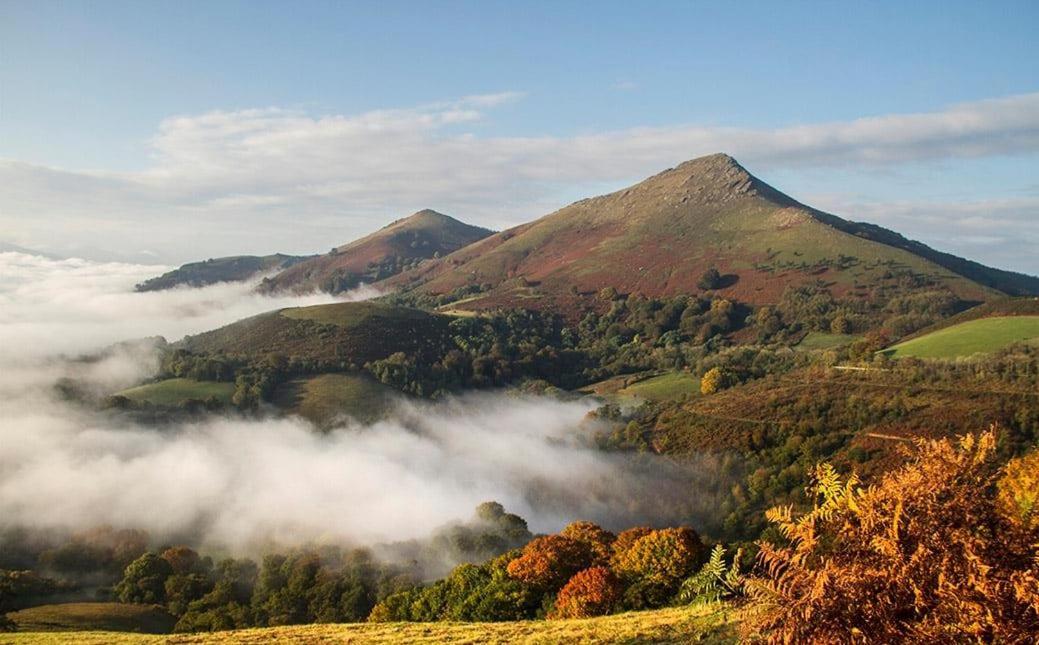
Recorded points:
(711, 624)
(73, 616)
(971, 337)
(177, 390)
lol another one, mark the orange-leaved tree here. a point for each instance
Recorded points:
(596, 591)
(599, 540)
(548, 562)
(926, 555)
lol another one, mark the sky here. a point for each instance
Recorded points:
(164, 132)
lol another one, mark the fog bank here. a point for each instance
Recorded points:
(233, 482)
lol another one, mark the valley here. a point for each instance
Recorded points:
(642, 378)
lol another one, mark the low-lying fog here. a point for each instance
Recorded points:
(233, 482)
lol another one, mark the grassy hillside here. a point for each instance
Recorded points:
(979, 336)
(824, 340)
(73, 617)
(671, 386)
(340, 334)
(230, 269)
(174, 391)
(712, 624)
(660, 236)
(327, 398)
(386, 252)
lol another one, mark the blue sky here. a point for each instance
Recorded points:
(89, 92)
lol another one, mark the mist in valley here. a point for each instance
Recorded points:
(238, 484)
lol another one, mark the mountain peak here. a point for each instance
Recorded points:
(719, 178)
(428, 212)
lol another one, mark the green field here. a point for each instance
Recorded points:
(824, 340)
(175, 391)
(671, 386)
(83, 616)
(324, 399)
(711, 624)
(972, 337)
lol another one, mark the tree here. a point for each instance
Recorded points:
(548, 562)
(144, 580)
(598, 540)
(664, 557)
(711, 279)
(595, 591)
(840, 325)
(712, 381)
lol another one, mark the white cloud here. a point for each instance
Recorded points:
(275, 179)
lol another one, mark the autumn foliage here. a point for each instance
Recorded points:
(942, 550)
(599, 541)
(548, 562)
(593, 592)
(666, 556)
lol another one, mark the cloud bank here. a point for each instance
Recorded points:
(261, 179)
(234, 482)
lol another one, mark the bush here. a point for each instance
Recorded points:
(548, 562)
(599, 541)
(712, 381)
(145, 580)
(593, 592)
(1018, 492)
(664, 557)
(923, 556)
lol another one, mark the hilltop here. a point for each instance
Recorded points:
(234, 268)
(327, 335)
(399, 246)
(660, 236)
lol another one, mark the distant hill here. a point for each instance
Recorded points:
(234, 268)
(397, 247)
(6, 247)
(660, 236)
(334, 336)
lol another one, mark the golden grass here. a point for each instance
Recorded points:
(709, 624)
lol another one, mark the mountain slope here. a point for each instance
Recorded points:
(658, 238)
(234, 268)
(398, 246)
(333, 336)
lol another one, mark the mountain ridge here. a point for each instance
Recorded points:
(658, 236)
(398, 246)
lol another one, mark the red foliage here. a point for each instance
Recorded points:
(548, 562)
(592, 592)
(599, 540)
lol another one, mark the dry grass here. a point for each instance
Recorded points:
(710, 624)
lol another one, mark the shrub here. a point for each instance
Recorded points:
(923, 556)
(712, 381)
(710, 279)
(593, 592)
(548, 562)
(665, 557)
(599, 541)
(144, 580)
(1018, 492)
